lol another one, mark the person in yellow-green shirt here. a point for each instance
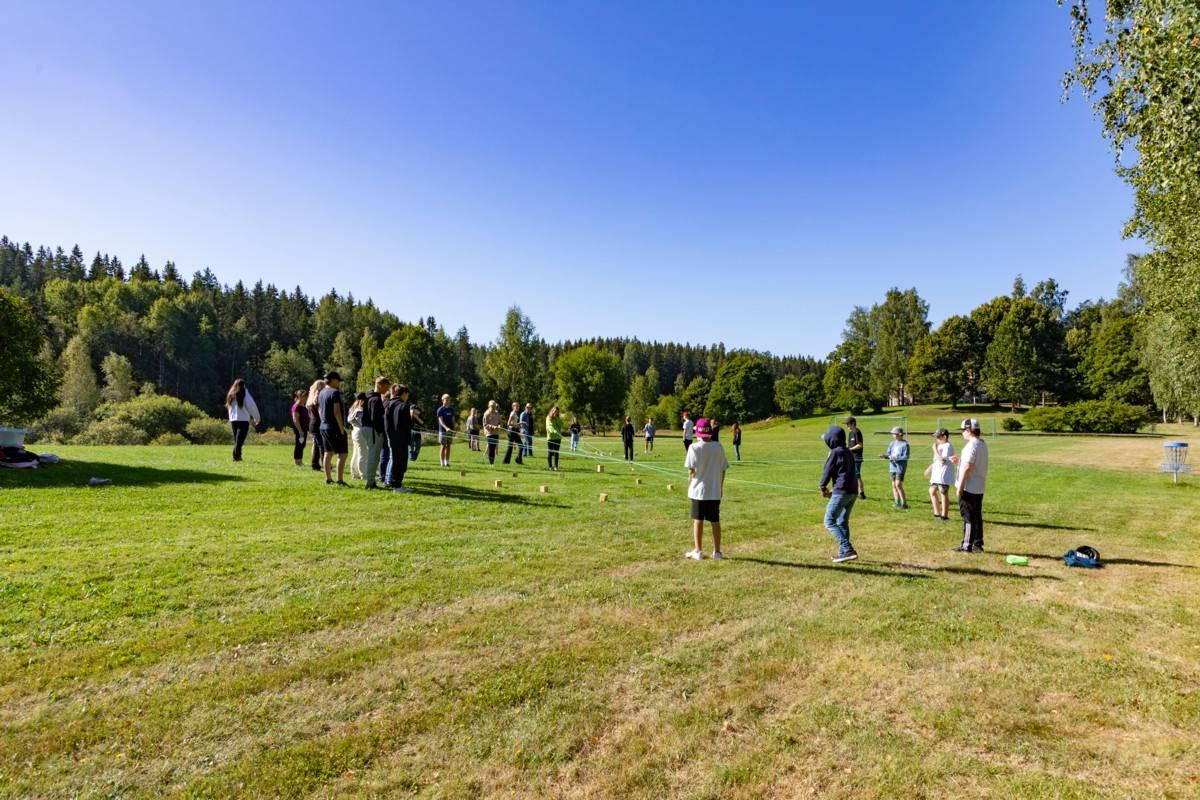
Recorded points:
(554, 434)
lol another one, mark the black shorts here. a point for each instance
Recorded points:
(335, 441)
(706, 510)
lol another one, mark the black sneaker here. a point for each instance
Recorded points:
(961, 549)
(342, 483)
(329, 481)
(845, 555)
(976, 548)
(862, 495)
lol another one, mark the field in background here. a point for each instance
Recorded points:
(208, 629)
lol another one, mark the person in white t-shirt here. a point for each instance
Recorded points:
(972, 479)
(688, 429)
(706, 465)
(941, 474)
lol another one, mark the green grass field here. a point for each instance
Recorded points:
(209, 629)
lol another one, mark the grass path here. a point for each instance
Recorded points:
(210, 629)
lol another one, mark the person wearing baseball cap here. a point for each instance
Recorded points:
(334, 438)
(897, 456)
(706, 465)
(972, 480)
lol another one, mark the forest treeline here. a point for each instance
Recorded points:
(153, 330)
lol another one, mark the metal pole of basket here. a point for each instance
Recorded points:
(1175, 455)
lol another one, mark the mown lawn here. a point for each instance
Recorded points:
(208, 629)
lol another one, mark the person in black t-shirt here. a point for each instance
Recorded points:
(854, 443)
(333, 427)
(627, 434)
(373, 425)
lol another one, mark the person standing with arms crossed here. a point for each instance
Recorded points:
(972, 480)
(445, 425)
(333, 428)
(854, 443)
(688, 429)
(299, 426)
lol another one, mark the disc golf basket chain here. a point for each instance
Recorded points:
(1175, 459)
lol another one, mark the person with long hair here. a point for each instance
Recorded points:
(473, 430)
(491, 429)
(299, 420)
(554, 432)
(737, 441)
(358, 439)
(314, 422)
(242, 411)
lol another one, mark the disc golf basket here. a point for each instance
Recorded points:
(1175, 459)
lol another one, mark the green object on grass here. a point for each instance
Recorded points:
(1018, 561)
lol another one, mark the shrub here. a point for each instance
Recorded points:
(171, 439)
(61, 425)
(1090, 416)
(269, 436)
(111, 431)
(1011, 424)
(155, 414)
(207, 430)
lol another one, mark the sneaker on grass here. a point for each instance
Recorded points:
(717, 554)
(694, 555)
(845, 555)
(402, 490)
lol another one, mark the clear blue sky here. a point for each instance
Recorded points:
(692, 172)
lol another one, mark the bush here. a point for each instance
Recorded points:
(1011, 424)
(207, 430)
(171, 439)
(269, 436)
(155, 414)
(1090, 416)
(111, 431)
(60, 425)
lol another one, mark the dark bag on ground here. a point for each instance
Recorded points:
(1088, 557)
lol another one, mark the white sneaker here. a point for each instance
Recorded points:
(402, 490)
(717, 554)
(694, 555)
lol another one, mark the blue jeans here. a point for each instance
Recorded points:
(527, 442)
(837, 518)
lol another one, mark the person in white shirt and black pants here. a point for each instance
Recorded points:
(242, 411)
(972, 479)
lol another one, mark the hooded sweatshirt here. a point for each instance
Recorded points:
(839, 465)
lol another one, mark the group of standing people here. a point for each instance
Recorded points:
(380, 424)
(841, 481)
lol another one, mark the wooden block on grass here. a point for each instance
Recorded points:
(599, 468)
(544, 489)
(514, 474)
(603, 498)
(637, 481)
(462, 473)
(670, 487)
(499, 484)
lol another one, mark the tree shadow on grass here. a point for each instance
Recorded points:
(458, 492)
(1046, 526)
(76, 473)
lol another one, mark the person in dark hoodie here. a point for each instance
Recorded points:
(398, 428)
(839, 482)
